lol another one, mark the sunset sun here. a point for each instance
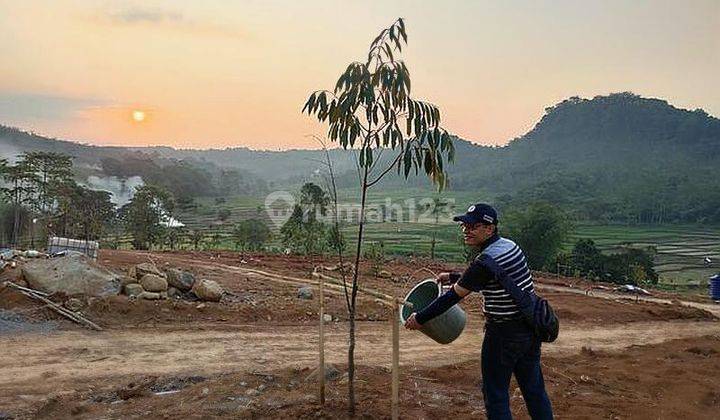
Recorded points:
(138, 116)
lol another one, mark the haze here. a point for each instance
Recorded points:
(218, 73)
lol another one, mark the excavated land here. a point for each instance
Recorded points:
(252, 354)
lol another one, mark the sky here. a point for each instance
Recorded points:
(224, 73)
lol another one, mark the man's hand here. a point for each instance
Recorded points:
(443, 278)
(412, 324)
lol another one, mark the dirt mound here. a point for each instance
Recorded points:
(73, 274)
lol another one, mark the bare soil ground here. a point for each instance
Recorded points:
(250, 355)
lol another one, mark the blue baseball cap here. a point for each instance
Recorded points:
(478, 213)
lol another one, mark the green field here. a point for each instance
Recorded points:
(680, 248)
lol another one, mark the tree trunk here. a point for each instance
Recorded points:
(354, 290)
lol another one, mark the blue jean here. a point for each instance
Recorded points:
(512, 347)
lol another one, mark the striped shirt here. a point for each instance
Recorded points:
(499, 257)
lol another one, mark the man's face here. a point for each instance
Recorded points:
(476, 234)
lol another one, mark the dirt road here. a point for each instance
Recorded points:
(79, 357)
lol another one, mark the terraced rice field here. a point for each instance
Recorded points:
(681, 249)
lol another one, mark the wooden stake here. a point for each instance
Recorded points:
(36, 294)
(396, 360)
(321, 350)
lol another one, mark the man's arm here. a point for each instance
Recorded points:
(471, 280)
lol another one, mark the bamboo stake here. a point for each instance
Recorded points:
(321, 370)
(55, 307)
(396, 360)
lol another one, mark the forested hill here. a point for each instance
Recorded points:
(615, 158)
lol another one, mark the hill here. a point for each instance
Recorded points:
(615, 158)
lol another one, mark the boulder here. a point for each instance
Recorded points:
(141, 270)
(153, 283)
(174, 293)
(179, 279)
(125, 280)
(133, 289)
(208, 290)
(73, 274)
(149, 296)
(305, 292)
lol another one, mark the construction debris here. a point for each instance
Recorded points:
(40, 296)
(58, 246)
(629, 288)
(305, 292)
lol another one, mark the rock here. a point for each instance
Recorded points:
(262, 387)
(153, 283)
(384, 274)
(141, 270)
(125, 280)
(74, 304)
(200, 306)
(179, 279)
(133, 289)
(252, 392)
(305, 292)
(327, 318)
(163, 295)
(174, 293)
(149, 296)
(208, 290)
(331, 374)
(73, 274)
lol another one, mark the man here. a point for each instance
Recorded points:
(510, 344)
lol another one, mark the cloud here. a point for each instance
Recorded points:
(169, 20)
(136, 15)
(23, 106)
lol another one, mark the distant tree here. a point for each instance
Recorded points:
(375, 253)
(438, 207)
(52, 171)
(145, 214)
(251, 234)
(303, 233)
(196, 237)
(21, 188)
(586, 257)
(631, 265)
(628, 265)
(82, 212)
(314, 199)
(540, 230)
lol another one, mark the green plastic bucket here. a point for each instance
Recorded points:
(444, 328)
